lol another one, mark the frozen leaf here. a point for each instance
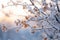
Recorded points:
(45, 38)
(25, 25)
(33, 31)
(4, 28)
(34, 26)
(7, 15)
(16, 23)
(45, 7)
(27, 17)
(24, 6)
(2, 6)
(17, 30)
(36, 9)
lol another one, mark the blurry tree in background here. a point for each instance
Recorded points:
(37, 15)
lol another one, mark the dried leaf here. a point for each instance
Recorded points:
(27, 17)
(7, 15)
(34, 26)
(50, 5)
(26, 25)
(35, 16)
(4, 28)
(18, 20)
(2, 6)
(17, 30)
(33, 31)
(16, 23)
(24, 6)
(36, 9)
(45, 38)
(45, 7)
